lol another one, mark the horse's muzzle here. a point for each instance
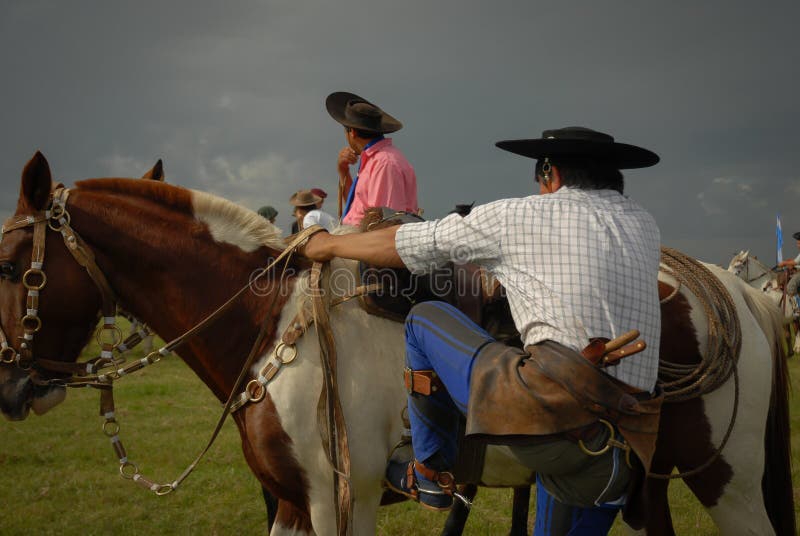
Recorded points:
(18, 394)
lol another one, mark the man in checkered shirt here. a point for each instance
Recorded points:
(578, 262)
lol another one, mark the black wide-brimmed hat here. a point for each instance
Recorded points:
(581, 142)
(352, 111)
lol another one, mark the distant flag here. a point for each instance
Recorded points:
(779, 235)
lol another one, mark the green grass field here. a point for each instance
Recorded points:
(58, 472)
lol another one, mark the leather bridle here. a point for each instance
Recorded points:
(57, 218)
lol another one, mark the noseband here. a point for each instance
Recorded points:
(56, 218)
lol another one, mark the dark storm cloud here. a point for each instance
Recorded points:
(231, 96)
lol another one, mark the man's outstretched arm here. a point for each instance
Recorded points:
(375, 247)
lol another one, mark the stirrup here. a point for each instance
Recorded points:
(432, 493)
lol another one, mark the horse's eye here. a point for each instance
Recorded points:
(8, 270)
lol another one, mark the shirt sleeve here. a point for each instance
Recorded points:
(311, 218)
(476, 238)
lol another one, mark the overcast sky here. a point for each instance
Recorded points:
(231, 96)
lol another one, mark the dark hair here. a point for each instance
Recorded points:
(586, 174)
(307, 208)
(364, 134)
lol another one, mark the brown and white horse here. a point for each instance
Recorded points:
(173, 255)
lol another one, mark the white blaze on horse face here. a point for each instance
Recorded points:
(233, 224)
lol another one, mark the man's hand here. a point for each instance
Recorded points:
(375, 247)
(347, 157)
(317, 247)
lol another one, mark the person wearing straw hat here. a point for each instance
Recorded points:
(385, 178)
(579, 263)
(306, 212)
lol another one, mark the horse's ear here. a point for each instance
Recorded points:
(36, 184)
(157, 173)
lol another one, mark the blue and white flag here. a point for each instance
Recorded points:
(779, 235)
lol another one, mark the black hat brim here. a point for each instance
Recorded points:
(336, 103)
(620, 155)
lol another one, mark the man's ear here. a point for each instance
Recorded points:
(555, 178)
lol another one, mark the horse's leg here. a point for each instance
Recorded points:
(730, 488)
(672, 445)
(457, 518)
(659, 519)
(290, 521)
(268, 452)
(519, 511)
(272, 507)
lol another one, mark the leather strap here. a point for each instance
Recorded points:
(423, 382)
(330, 416)
(444, 479)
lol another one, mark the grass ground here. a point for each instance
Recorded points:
(58, 472)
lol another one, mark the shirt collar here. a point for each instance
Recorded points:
(375, 144)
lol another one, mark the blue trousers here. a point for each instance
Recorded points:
(442, 338)
(557, 519)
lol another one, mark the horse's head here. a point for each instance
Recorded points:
(47, 311)
(739, 262)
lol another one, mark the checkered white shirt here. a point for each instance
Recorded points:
(576, 264)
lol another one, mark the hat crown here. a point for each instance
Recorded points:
(367, 114)
(356, 112)
(577, 133)
(303, 198)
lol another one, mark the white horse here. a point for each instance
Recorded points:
(758, 275)
(754, 272)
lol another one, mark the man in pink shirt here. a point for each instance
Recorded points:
(385, 178)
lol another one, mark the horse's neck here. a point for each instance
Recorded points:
(171, 274)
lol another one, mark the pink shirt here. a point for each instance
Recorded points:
(386, 179)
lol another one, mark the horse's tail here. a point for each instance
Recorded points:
(776, 484)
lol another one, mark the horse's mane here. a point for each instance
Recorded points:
(226, 220)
